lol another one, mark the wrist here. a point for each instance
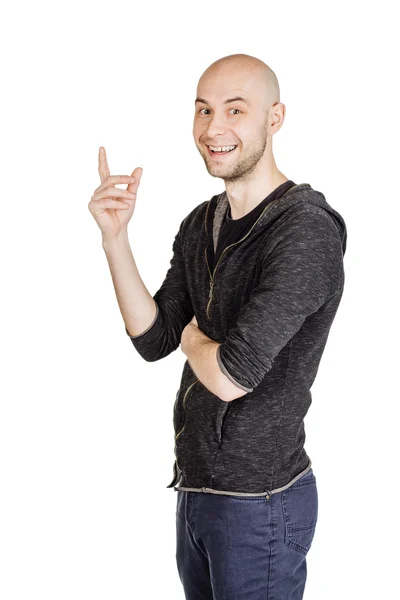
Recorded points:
(116, 240)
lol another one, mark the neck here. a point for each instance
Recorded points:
(243, 196)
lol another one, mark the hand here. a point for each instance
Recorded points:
(185, 337)
(112, 207)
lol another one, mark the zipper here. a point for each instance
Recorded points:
(179, 432)
(211, 291)
(212, 275)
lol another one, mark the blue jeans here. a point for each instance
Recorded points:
(246, 548)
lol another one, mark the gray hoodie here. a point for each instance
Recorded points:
(270, 302)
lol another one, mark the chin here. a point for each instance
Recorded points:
(217, 172)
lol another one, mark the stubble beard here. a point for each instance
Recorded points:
(243, 169)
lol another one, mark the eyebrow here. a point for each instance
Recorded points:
(235, 99)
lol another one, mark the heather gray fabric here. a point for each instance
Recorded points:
(274, 296)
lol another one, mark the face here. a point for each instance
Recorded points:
(222, 119)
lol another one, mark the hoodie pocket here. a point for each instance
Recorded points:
(222, 420)
(179, 411)
(180, 408)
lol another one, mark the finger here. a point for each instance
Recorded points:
(137, 174)
(115, 179)
(112, 192)
(104, 171)
(103, 203)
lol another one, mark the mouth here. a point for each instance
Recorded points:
(216, 154)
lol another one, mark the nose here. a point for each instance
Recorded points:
(216, 127)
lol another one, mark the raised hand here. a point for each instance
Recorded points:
(111, 207)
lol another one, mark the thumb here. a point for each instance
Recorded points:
(137, 174)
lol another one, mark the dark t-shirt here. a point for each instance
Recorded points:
(233, 230)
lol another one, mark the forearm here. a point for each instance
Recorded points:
(201, 353)
(136, 304)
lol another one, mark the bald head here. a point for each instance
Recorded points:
(259, 75)
(237, 104)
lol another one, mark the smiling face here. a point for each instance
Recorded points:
(232, 108)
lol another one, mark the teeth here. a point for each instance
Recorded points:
(223, 148)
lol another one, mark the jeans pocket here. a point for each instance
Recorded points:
(300, 512)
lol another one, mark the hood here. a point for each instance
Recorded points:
(301, 192)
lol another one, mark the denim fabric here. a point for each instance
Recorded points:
(241, 548)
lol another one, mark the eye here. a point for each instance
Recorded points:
(209, 109)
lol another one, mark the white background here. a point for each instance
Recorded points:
(86, 434)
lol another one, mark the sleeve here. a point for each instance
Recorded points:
(173, 311)
(301, 273)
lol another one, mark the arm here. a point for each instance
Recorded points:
(153, 323)
(201, 353)
(302, 272)
(137, 307)
(298, 276)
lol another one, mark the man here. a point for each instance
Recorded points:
(255, 281)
